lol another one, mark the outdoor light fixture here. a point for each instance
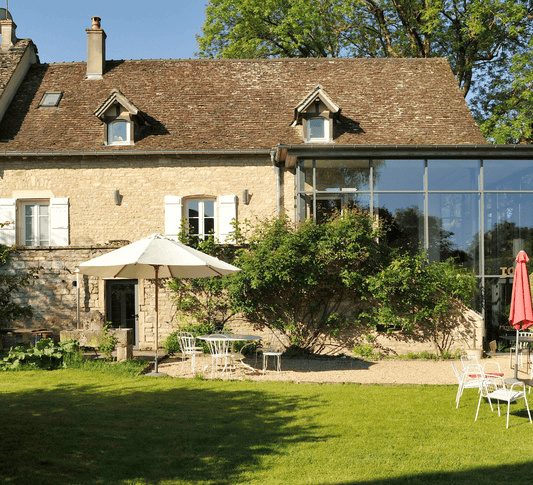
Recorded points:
(118, 197)
(245, 197)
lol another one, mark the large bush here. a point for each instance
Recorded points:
(313, 280)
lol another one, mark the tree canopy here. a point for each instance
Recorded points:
(485, 42)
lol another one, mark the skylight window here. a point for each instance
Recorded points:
(51, 99)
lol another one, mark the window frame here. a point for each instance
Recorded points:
(327, 130)
(109, 125)
(202, 234)
(55, 104)
(21, 206)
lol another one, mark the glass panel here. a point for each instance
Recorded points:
(405, 214)
(341, 175)
(399, 174)
(192, 209)
(454, 228)
(28, 225)
(508, 174)
(118, 132)
(209, 208)
(316, 128)
(497, 300)
(326, 206)
(44, 226)
(453, 174)
(508, 229)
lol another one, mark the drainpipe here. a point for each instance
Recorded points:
(77, 271)
(278, 181)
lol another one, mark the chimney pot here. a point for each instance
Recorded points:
(96, 22)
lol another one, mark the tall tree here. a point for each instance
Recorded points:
(469, 33)
(503, 105)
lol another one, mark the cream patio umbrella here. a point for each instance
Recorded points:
(156, 257)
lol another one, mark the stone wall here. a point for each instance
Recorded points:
(89, 184)
(53, 294)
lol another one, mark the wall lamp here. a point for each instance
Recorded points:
(118, 197)
(246, 196)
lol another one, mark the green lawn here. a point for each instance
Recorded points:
(90, 427)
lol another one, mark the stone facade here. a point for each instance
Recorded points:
(143, 183)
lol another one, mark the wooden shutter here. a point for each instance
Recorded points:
(8, 213)
(227, 213)
(173, 216)
(59, 222)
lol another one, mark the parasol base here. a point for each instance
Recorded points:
(156, 374)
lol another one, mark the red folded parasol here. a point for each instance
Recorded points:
(521, 314)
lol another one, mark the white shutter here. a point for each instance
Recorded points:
(173, 216)
(8, 213)
(59, 222)
(227, 212)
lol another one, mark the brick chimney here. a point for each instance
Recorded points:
(7, 29)
(95, 50)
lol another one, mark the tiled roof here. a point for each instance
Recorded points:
(242, 104)
(9, 61)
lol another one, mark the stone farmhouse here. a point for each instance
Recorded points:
(98, 153)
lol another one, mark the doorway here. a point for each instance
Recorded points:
(122, 305)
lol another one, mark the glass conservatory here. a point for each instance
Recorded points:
(472, 203)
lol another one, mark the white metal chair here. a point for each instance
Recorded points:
(520, 347)
(470, 378)
(466, 360)
(493, 387)
(188, 347)
(220, 349)
(271, 346)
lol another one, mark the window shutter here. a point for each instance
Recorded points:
(173, 215)
(59, 222)
(8, 213)
(227, 212)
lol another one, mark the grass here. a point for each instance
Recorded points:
(102, 426)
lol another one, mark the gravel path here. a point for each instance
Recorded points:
(339, 370)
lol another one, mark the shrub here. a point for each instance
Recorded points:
(45, 355)
(364, 350)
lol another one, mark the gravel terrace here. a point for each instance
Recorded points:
(341, 370)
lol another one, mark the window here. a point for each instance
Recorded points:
(205, 216)
(317, 128)
(35, 223)
(118, 133)
(200, 215)
(50, 99)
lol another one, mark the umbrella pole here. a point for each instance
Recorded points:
(157, 314)
(516, 351)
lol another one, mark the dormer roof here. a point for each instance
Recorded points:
(317, 95)
(115, 98)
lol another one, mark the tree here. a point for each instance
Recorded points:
(306, 281)
(470, 33)
(503, 106)
(9, 284)
(421, 298)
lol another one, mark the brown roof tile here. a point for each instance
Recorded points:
(242, 104)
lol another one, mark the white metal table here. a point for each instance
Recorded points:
(232, 337)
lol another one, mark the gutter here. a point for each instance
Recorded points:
(129, 153)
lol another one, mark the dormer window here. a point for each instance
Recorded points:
(316, 114)
(120, 118)
(318, 129)
(118, 133)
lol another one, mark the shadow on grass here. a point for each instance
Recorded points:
(505, 474)
(197, 432)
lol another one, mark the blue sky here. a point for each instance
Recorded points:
(150, 29)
